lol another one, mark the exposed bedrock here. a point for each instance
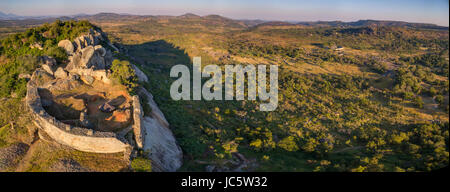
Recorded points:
(159, 140)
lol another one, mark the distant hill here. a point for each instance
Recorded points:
(189, 16)
(276, 23)
(225, 20)
(252, 23)
(8, 16)
(365, 23)
(215, 17)
(109, 16)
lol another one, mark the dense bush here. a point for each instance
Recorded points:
(19, 57)
(141, 164)
(124, 73)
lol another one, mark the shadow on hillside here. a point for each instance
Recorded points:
(156, 59)
(157, 56)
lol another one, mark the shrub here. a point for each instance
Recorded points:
(288, 144)
(141, 164)
(418, 102)
(58, 53)
(124, 73)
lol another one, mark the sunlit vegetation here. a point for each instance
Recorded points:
(371, 121)
(124, 73)
(385, 109)
(19, 52)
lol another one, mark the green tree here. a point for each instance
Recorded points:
(124, 73)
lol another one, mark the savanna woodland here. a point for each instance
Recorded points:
(360, 96)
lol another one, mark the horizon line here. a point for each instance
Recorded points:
(268, 20)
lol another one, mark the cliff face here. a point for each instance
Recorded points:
(89, 61)
(165, 153)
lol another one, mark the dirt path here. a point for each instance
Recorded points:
(21, 166)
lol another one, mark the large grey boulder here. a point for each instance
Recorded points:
(67, 45)
(48, 69)
(91, 57)
(100, 50)
(86, 55)
(60, 73)
(79, 42)
(97, 61)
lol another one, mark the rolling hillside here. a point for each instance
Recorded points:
(353, 96)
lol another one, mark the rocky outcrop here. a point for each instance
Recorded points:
(159, 140)
(48, 64)
(85, 64)
(140, 75)
(86, 51)
(94, 37)
(67, 45)
(61, 73)
(100, 75)
(87, 79)
(88, 62)
(156, 112)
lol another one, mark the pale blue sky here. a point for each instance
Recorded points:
(428, 11)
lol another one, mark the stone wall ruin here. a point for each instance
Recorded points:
(89, 61)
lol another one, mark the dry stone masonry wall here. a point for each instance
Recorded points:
(89, 61)
(139, 132)
(79, 138)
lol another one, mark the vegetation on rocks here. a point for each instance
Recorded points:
(141, 164)
(124, 73)
(19, 53)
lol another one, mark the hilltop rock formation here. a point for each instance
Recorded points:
(89, 62)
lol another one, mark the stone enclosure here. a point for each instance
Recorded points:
(117, 119)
